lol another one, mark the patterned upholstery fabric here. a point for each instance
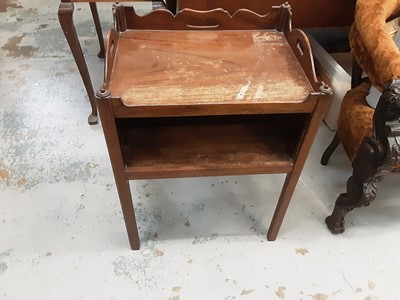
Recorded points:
(355, 119)
(372, 46)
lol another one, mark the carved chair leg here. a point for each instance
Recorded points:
(359, 193)
(65, 12)
(96, 20)
(361, 186)
(375, 158)
(330, 149)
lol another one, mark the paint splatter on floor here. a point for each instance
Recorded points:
(4, 5)
(246, 292)
(159, 253)
(281, 292)
(371, 285)
(3, 267)
(199, 240)
(302, 251)
(187, 222)
(3, 256)
(319, 296)
(14, 50)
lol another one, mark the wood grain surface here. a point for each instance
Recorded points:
(209, 146)
(172, 68)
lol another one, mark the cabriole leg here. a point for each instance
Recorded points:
(65, 12)
(96, 19)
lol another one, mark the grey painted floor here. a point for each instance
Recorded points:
(62, 234)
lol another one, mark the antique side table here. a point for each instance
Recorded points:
(208, 94)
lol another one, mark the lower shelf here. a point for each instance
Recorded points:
(168, 149)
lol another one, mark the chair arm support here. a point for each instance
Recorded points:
(381, 152)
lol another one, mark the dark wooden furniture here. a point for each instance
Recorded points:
(326, 20)
(307, 13)
(370, 137)
(65, 15)
(207, 94)
(323, 13)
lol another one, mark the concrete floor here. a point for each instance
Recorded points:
(62, 235)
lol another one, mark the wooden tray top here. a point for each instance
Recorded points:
(157, 68)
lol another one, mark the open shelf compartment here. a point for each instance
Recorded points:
(209, 146)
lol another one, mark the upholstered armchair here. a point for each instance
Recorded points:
(370, 136)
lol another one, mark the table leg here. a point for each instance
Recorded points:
(293, 177)
(118, 166)
(96, 19)
(65, 12)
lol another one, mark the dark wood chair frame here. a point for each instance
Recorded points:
(376, 157)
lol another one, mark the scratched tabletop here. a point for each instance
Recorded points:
(206, 67)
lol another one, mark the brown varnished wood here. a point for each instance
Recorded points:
(121, 111)
(118, 166)
(111, 46)
(307, 13)
(96, 19)
(301, 47)
(304, 145)
(213, 146)
(217, 18)
(187, 100)
(109, 1)
(206, 68)
(65, 14)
